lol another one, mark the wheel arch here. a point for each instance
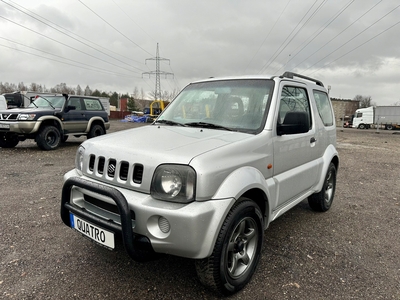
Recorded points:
(330, 156)
(50, 122)
(247, 182)
(95, 121)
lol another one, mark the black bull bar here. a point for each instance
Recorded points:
(132, 242)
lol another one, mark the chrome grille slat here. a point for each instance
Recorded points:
(110, 168)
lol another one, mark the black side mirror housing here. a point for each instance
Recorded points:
(295, 122)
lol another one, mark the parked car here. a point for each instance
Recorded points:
(3, 103)
(50, 120)
(226, 158)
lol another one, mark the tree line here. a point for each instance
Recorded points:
(63, 88)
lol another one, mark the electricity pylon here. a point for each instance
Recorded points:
(157, 72)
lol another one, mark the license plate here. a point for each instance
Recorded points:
(94, 232)
(5, 126)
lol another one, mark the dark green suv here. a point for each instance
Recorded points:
(50, 120)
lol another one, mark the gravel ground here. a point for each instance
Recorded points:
(350, 252)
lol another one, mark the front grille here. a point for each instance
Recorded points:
(113, 208)
(9, 116)
(112, 166)
(137, 173)
(113, 169)
(103, 205)
(123, 171)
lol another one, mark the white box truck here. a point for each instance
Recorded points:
(387, 117)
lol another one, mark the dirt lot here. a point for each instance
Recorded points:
(350, 252)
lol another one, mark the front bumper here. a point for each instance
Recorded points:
(188, 230)
(20, 127)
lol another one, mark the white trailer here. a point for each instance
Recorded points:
(387, 117)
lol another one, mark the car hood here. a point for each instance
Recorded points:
(29, 110)
(151, 146)
(163, 144)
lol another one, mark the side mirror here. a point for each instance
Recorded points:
(70, 107)
(294, 122)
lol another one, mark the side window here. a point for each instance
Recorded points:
(75, 102)
(294, 99)
(92, 104)
(324, 107)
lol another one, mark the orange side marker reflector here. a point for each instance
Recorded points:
(269, 166)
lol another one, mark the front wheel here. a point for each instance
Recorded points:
(236, 252)
(322, 200)
(48, 138)
(389, 127)
(95, 130)
(361, 126)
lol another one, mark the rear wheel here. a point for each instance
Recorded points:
(322, 200)
(236, 252)
(48, 138)
(8, 141)
(389, 127)
(95, 130)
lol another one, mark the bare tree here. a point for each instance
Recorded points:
(365, 101)
(79, 90)
(135, 93)
(88, 91)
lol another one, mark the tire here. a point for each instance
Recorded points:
(95, 130)
(8, 141)
(236, 252)
(361, 126)
(48, 138)
(389, 127)
(322, 201)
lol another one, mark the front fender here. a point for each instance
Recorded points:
(240, 181)
(47, 118)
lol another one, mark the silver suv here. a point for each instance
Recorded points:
(223, 160)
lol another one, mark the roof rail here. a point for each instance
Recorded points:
(291, 75)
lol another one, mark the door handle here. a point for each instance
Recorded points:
(312, 140)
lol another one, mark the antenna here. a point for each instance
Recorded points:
(157, 72)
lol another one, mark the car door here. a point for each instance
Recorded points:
(295, 170)
(74, 116)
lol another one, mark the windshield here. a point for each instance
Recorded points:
(238, 105)
(50, 101)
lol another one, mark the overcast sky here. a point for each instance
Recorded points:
(353, 46)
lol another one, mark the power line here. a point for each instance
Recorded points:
(83, 38)
(66, 45)
(375, 36)
(277, 20)
(338, 34)
(113, 27)
(351, 39)
(276, 54)
(315, 36)
(75, 61)
(133, 20)
(77, 66)
(84, 43)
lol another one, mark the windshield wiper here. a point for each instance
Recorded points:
(48, 102)
(169, 122)
(207, 125)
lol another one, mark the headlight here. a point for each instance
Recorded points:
(26, 117)
(174, 183)
(79, 159)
